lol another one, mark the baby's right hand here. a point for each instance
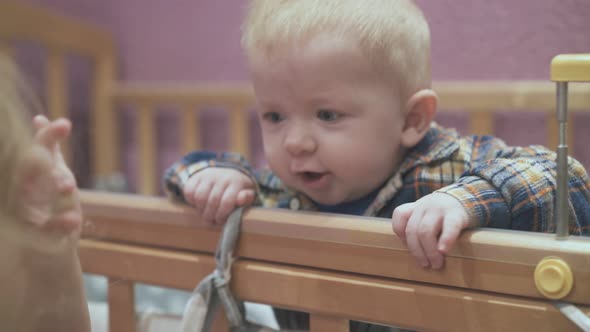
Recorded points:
(216, 192)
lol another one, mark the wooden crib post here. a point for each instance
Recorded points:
(146, 140)
(121, 299)
(104, 129)
(57, 92)
(191, 129)
(239, 130)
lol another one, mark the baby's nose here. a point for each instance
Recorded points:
(299, 142)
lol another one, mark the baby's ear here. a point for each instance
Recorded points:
(420, 111)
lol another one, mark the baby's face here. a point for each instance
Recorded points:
(331, 124)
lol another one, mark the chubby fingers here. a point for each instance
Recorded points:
(216, 193)
(419, 229)
(214, 200)
(246, 197)
(453, 224)
(427, 232)
(413, 241)
(233, 196)
(400, 218)
(226, 203)
(197, 190)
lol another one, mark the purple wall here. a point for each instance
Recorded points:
(180, 40)
(198, 40)
(504, 39)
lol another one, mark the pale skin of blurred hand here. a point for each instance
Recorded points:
(47, 185)
(42, 288)
(216, 192)
(430, 227)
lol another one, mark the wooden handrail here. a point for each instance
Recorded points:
(473, 96)
(489, 260)
(470, 96)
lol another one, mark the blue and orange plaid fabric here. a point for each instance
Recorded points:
(500, 186)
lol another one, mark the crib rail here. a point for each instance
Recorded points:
(335, 267)
(145, 98)
(479, 99)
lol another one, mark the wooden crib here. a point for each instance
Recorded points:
(337, 268)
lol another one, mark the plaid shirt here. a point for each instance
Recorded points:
(499, 186)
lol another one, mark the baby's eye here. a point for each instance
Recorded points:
(328, 116)
(272, 117)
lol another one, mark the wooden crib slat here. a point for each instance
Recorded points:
(146, 130)
(105, 133)
(121, 299)
(481, 123)
(391, 302)
(239, 130)
(191, 133)
(321, 323)
(57, 92)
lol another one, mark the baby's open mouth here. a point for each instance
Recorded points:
(312, 176)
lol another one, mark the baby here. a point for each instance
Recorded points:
(346, 112)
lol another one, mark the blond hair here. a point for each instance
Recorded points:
(16, 103)
(393, 33)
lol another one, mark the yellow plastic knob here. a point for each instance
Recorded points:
(571, 68)
(554, 278)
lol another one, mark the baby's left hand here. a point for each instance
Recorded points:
(430, 226)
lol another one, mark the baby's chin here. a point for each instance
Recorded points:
(330, 200)
(332, 197)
